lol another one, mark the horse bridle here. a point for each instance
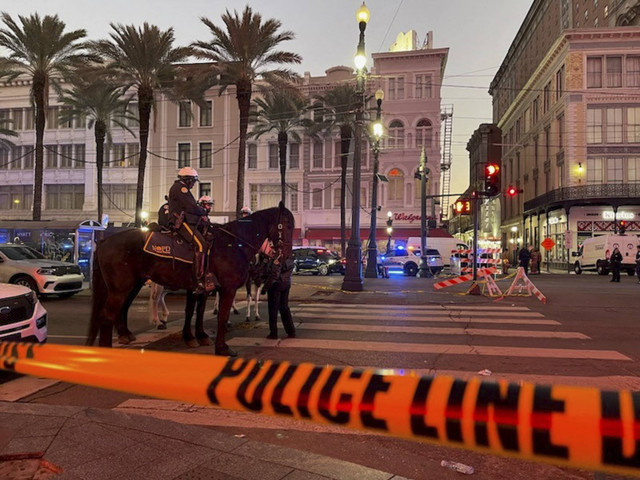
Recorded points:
(277, 246)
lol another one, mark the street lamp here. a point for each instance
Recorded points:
(389, 229)
(425, 271)
(372, 271)
(353, 274)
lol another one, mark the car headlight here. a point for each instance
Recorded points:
(32, 297)
(331, 262)
(46, 270)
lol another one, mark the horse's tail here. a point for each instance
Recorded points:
(99, 288)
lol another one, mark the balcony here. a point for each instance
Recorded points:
(587, 194)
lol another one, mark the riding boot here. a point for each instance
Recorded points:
(198, 273)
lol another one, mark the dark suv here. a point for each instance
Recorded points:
(317, 260)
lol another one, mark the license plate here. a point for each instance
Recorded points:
(11, 338)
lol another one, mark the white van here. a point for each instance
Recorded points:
(444, 245)
(594, 253)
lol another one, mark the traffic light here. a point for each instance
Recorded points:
(623, 227)
(492, 179)
(462, 207)
(513, 191)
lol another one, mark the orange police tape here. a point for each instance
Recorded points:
(574, 426)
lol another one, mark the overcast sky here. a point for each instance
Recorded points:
(478, 34)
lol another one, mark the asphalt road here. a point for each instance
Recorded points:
(586, 334)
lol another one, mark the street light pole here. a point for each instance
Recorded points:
(425, 271)
(389, 229)
(372, 259)
(353, 275)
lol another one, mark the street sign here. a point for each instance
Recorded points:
(547, 243)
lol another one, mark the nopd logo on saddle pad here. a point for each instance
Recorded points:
(169, 245)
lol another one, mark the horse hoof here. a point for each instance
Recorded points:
(226, 352)
(124, 339)
(132, 337)
(162, 326)
(257, 318)
(204, 341)
(192, 343)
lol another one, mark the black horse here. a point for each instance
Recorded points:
(121, 267)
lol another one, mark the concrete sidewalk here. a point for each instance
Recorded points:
(40, 441)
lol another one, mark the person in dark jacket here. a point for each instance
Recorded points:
(616, 262)
(163, 213)
(524, 256)
(278, 298)
(186, 217)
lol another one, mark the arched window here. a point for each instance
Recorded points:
(396, 134)
(395, 189)
(424, 133)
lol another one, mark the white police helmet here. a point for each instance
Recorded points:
(245, 210)
(206, 200)
(187, 172)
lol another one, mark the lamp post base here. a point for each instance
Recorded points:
(424, 271)
(353, 276)
(372, 263)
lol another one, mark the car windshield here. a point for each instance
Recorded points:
(21, 253)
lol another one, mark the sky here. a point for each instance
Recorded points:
(477, 33)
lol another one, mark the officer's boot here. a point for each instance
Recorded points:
(198, 273)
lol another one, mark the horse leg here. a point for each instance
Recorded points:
(226, 300)
(249, 299)
(257, 304)
(234, 306)
(190, 306)
(165, 310)
(201, 335)
(125, 336)
(154, 302)
(216, 301)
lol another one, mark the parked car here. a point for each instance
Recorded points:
(317, 260)
(22, 317)
(408, 261)
(24, 266)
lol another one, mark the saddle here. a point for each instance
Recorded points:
(169, 244)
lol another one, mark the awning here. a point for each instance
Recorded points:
(399, 233)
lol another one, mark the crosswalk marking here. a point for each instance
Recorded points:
(424, 318)
(442, 330)
(402, 313)
(425, 348)
(359, 306)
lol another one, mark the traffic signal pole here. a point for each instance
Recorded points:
(476, 215)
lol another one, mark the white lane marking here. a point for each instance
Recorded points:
(414, 307)
(442, 349)
(346, 327)
(400, 313)
(423, 318)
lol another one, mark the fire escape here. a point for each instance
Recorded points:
(446, 116)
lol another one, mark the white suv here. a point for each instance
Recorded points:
(22, 265)
(408, 261)
(22, 317)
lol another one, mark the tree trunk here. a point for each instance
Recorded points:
(283, 139)
(39, 92)
(145, 102)
(243, 95)
(100, 130)
(345, 140)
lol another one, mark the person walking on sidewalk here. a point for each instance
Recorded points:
(616, 262)
(535, 261)
(638, 263)
(278, 298)
(525, 256)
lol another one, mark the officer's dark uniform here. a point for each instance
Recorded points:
(163, 215)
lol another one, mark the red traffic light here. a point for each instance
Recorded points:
(512, 191)
(491, 169)
(462, 207)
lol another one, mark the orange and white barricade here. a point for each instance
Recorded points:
(463, 278)
(522, 283)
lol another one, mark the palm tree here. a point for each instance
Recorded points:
(242, 51)
(143, 59)
(41, 49)
(340, 104)
(103, 104)
(282, 111)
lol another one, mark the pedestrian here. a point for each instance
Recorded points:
(616, 262)
(638, 263)
(524, 257)
(535, 261)
(278, 298)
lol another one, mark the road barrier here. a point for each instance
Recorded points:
(463, 278)
(573, 426)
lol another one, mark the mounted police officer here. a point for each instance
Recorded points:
(245, 212)
(187, 217)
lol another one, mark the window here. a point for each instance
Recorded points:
(424, 133)
(559, 83)
(51, 154)
(317, 154)
(294, 156)
(594, 125)
(79, 156)
(336, 154)
(527, 117)
(293, 200)
(561, 132)
(396, 134)
(318, 112)
(273, 155)
(253, 197)
(119, 196)
(396, 88)
(133, 154)
(400, 88)
(80, 121)
(64, 197)
(27, 161)
(252, 156)
(423, 86)
(184, 155)
(16, 116)
(336, 197)
(116, 156)
(615, 170)
(268, 196)
(184, 114)
(205, 189)
(16, 157)
(205, 155)
(28, 119)
(52, 118)
(633, 169)
(547, 143)
(614, 125)
(546, 98)
(316, 201)
(4, 158)
(66, 122)
(614, 71)
(66, 156)
(392, 89)
(395, 190)
(205, 114)
(16, 197)
(534, 111)
(594, 170)
(633, 71)
(633, 124)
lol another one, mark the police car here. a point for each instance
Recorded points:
(22, 317)
(407, 262)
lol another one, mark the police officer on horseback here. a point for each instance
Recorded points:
(190, 219)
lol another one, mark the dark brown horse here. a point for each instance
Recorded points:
(121, 267)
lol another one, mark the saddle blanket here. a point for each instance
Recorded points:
(169, 245)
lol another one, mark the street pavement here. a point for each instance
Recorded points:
(584, 335)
